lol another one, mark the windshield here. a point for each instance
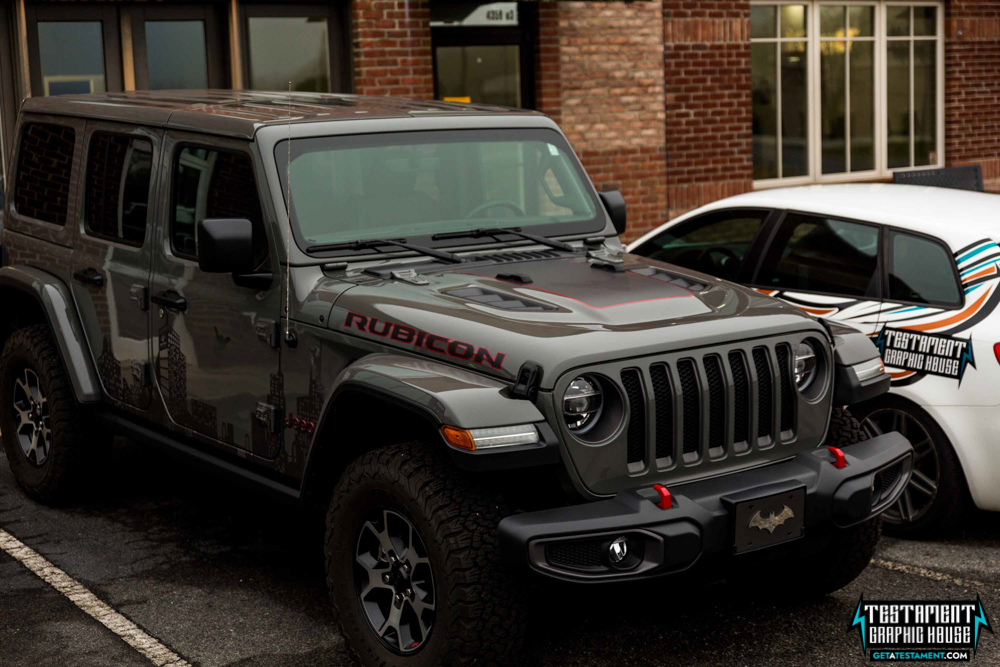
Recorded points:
(418, 184)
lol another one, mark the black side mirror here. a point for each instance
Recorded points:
(615, 203)
(225, 246)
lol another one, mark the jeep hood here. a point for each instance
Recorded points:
(559, 313)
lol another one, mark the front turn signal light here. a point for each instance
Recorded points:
(488, 438)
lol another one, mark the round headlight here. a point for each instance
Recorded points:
(805, 365)
(582, 404)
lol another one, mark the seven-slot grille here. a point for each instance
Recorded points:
(706, 405)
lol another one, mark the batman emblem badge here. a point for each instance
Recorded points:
(772, 521)
(768, 520)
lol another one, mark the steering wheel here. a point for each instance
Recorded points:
(707, 263)
(487, 205)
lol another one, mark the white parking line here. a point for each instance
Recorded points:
(968, 584)
(129, 632)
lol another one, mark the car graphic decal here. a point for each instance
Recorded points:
(979, 270)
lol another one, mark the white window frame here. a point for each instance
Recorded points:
(814, 130)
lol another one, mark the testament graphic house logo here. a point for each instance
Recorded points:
(934, 354)
(939, 631)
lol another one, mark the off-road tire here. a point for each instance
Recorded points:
(62, 474)
(844, 429)
(480, 616)
(952, 499)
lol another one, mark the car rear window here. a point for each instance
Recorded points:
(117, 192)
(44, 169)
(817, 254)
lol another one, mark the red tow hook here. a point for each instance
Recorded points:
(664, 503)
(839, 461)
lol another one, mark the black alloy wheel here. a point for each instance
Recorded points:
(394, 581)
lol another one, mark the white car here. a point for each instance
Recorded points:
(914, 267)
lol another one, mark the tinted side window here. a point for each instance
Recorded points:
(212, 183)
(816, 254)
(921, 270)
(715, 243)
(44, 168)
(117, 192)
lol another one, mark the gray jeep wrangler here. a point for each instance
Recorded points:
(419, 316)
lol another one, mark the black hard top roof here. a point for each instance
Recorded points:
(241, 113)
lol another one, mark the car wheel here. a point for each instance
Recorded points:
(936, 490)
(43, 437)
(413, 564)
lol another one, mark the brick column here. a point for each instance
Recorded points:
(972, 86)
(392, 48)
(708, 101)
(600, 76)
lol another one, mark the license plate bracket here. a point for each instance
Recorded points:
(769, 520)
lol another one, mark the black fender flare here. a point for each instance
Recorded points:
(851, 350)
(439, 395)
(56, 301)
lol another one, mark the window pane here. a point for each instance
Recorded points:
(175, 53)
(793, 20)
(924, 102)
(117, 191)
(214, 184)
(794, 109)
(832, 21)
(898, 103)
(924, 21)
(897, 21)
(862, 106)
(44, 167)
(72, 57)
(763, 21)
(273, 64)
(483, 74)
(862, 21)
(715, 243)
(813, 254)
(921, 271)
(833, 97)
(764, 74)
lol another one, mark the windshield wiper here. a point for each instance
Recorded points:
(365, 245)
(494, 231)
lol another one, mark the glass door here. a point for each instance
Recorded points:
(484, 53)
(73, 49)
(178, 47)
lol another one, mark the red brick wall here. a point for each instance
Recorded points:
(708, 101)
(600, 76)
(392, 48)
(972, 86)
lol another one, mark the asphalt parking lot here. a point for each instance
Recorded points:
(223, 576)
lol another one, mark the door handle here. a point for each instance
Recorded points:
(90, 277)
(170, 299)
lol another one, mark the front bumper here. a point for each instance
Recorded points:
(571, 543)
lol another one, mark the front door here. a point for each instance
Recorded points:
(825, 266)
(211, 364)
(112, 257)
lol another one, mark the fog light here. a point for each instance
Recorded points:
(618, 551)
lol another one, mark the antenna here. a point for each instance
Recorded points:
(288, 220)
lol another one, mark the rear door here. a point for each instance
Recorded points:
(112, 257)
(211, 364)
(828, 267)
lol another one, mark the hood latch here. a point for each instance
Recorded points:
(527, 381)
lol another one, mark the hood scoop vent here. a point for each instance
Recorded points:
(502, 257)
(667, 277)
(500, 300)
